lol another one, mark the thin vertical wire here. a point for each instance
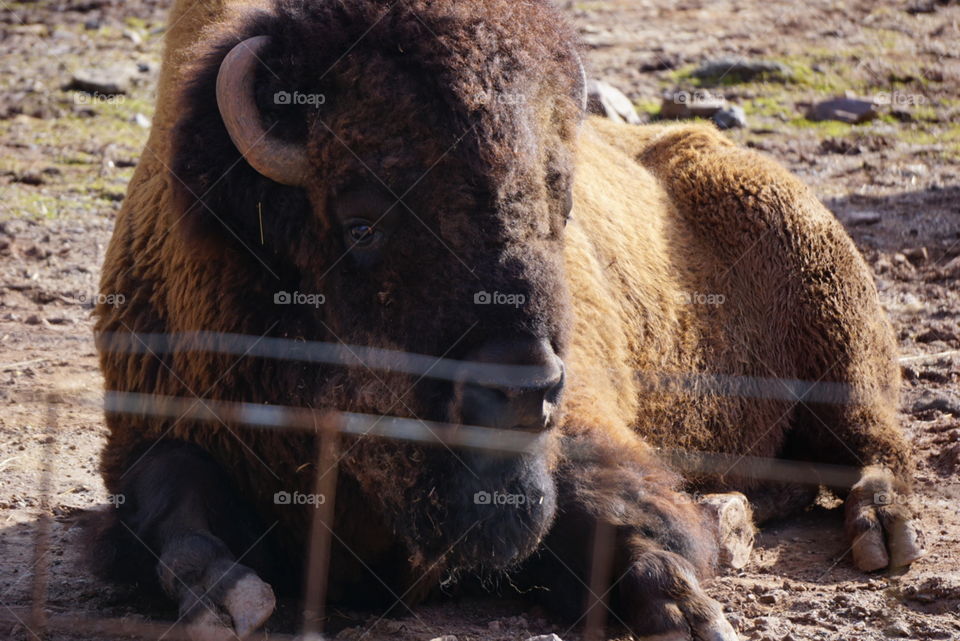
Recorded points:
(321, 527)
(601, 568)
(41, 541)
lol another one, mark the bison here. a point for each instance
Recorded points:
(425, 171)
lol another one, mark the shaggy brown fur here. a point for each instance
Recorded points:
(660, 214)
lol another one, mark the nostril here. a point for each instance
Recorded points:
(486, 406)
(528, 401)
(554, 391)
(498, 394)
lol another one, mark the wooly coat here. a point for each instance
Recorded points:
(454, 134)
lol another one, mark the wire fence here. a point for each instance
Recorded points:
(331, 426)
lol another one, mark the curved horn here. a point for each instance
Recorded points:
(582, 85)
(284, 162)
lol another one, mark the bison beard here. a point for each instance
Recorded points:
(446, 507)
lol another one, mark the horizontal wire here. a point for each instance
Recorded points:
(726, 465)
(300, 418)
(759, 468)
(377, 358)
(490, 374)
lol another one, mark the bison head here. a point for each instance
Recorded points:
(402, 173)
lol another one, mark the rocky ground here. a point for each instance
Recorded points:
(894, 180)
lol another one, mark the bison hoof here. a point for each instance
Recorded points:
(250, 603)
(733, 517)
(693, 626)
(209, 626)
(664, 601)
(233, 610)
(880, 524)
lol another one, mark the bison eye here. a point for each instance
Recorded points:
(361, 234)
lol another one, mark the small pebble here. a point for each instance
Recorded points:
(849, 110)
(897, 630)
(730, 118)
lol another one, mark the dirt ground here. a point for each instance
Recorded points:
(66, 156)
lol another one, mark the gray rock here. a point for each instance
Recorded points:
(849, 110)
(952, 269)
(917, 255)
(446, 637)
(545, 637)
(596, 37)
(861, 218)
(686, 104)
(897, 630)
(945, 402)
(737, 70)
(606, 100)
(108, 81)
(132, 36)
(730, 118)
(950, 459)
(661, 62)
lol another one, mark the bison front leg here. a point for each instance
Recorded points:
(176, 515)
(658, 544)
